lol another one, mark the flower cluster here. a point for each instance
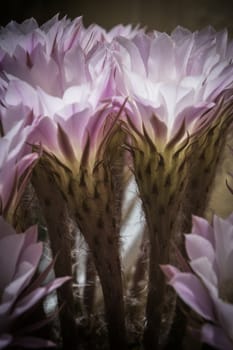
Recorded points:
(84, 114)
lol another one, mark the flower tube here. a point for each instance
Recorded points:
(179, 90)
(81, 166)
(76, 123)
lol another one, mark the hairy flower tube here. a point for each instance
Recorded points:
(179, 90)
(80, 166)
(207, 287)
(20, 292)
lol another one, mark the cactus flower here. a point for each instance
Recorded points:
(208, 287)
(20, 254)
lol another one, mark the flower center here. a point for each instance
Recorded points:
(226, 291)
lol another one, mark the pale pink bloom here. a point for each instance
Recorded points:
(44, 49)
(58, 49)
(48, 80)
(173, 80)
(59, 90)
(64, 73)
(54, 34)
(68, 120)
(81, 114)
(20, 254)
(208, 287)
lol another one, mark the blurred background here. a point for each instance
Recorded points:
(154, 14)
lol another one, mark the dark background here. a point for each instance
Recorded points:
(155, 14)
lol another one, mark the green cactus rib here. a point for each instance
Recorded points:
(161, 180)
(55, 212)
(173, 179)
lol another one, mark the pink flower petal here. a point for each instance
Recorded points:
(215, 336)
(32, 254)
(32, 298)
(197, 247)
(205, 270)
(5, 340)
(31, 235)
(10, 249)
(201, 227)
(28, 302)
(193, 293)
(169, 271)
(16, 286)
(225, 316)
